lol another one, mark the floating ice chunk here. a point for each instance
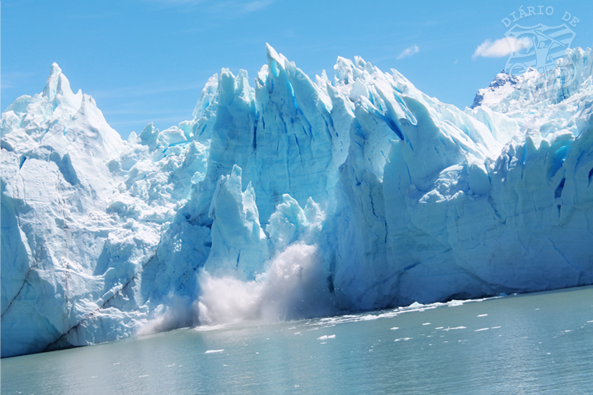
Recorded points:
(325, 337)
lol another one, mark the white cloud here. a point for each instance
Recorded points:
(409, 51)
(501, 47)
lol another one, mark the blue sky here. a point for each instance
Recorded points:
(147, 60)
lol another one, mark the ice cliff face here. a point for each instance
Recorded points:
(288, 199)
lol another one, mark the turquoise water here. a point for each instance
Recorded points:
(526, 344)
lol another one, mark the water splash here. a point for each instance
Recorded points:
(294, 286)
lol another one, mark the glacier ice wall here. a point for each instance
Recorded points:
(290, 198)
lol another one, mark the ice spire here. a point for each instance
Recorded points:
(58, 88)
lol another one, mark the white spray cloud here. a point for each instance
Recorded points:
(179, 312)
(294, 286)
(409, 52)
(501, 47)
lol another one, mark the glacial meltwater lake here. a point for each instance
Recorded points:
(524, 344)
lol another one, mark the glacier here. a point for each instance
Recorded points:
(290, 198)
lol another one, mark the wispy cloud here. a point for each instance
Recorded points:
(238, 8)
(501, 47)
(144, 90)
(256, 5)
(102, 15)
(224, 9)
(177, 3)
(13, 79)
(409, 52)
